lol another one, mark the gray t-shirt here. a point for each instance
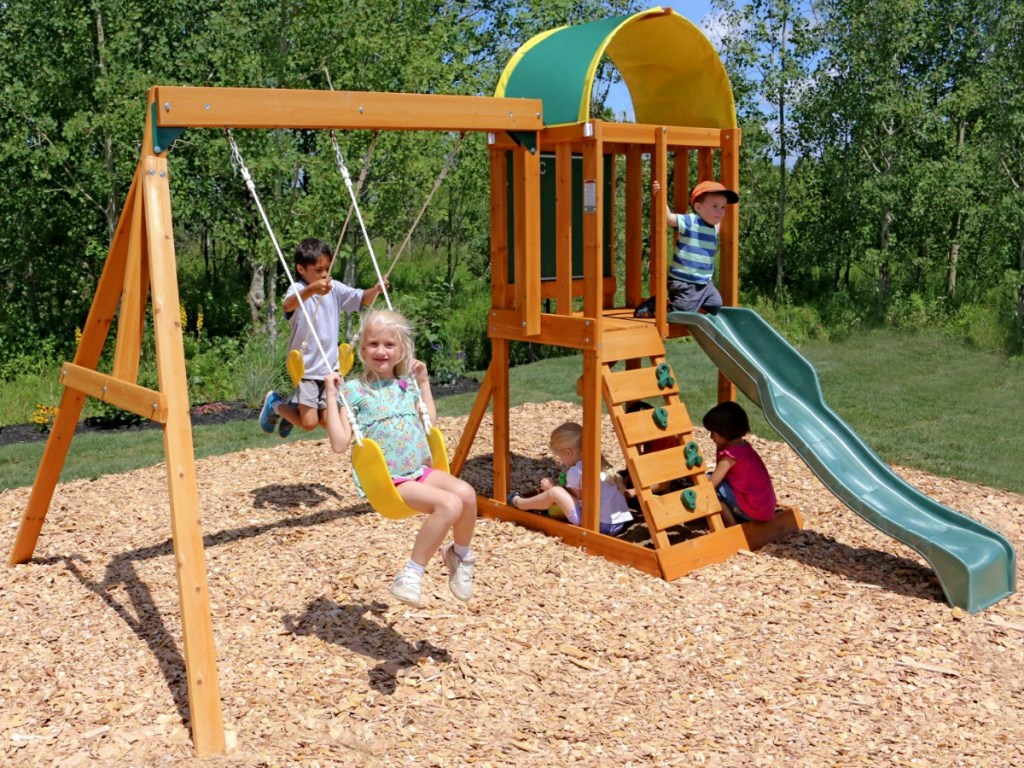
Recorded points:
(325, 312)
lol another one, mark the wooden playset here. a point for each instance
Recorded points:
(553, 172)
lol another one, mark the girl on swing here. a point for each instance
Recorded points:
(384, 402)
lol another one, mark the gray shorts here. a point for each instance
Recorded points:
(691, 297)
(311, 393)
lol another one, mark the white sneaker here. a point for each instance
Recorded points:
(406, 587)
(460, 573)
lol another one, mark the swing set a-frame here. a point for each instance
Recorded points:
(552, 180)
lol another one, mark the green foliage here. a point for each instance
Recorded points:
(257, 367)
(986, 327)
(796, 323)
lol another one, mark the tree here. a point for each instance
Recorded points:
(768, 43)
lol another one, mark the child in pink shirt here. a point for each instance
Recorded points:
(740, 477)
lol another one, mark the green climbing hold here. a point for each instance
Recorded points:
(660, 417)
(664, 374)
(692, 454)
(689, 497)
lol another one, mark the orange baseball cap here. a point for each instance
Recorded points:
(713, 186)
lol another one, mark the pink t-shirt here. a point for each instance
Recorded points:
(750, 481)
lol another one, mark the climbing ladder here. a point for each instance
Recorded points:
(670, 476)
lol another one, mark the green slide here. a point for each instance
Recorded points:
(974, 564)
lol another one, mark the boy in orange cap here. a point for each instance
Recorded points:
(690, 287)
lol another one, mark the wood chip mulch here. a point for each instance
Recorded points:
(832, 648)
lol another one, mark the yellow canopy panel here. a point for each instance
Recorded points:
(673, 73)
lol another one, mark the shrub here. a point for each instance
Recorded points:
(981, 326)
(259, 367)
(796, 323)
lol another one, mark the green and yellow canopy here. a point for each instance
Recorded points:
(673, 74)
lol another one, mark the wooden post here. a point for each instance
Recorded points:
(634, 225)
(659, 226)
(193, 592)
(729, 241)
(563, 228)
(593, 297)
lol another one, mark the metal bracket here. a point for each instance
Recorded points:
(162, 137)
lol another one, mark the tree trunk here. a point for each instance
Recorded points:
(111, 209)
(954, 234)
(781, 220)
(1019, 336)
(884, 276)
(256, 297)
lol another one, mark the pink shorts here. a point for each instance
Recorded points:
(421, 479)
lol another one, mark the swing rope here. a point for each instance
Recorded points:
(421, 405)
(344, 228)
(236, 159)
(426, 203)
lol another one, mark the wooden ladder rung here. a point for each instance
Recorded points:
(637, 384)
(667, 509)
(658, 467)
(640, 427)
(632, 344)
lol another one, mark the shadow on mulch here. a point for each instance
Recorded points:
(361, 628)
(892, 573)
(208, 413)
(130, 597)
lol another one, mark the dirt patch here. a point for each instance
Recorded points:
(834, 647)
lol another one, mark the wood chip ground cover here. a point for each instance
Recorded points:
(832, 648)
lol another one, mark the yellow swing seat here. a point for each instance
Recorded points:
(297, 367)
(372, 469)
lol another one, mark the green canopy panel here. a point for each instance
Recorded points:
(673, 73)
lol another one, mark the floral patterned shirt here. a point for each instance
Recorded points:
(386, 413)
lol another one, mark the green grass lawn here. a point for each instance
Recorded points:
(918, 401)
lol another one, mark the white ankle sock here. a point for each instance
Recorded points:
(416, 568)
(462, 552)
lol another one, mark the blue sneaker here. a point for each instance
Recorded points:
(284, 428)
(269, 419)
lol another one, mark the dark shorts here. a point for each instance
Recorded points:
(691, 297)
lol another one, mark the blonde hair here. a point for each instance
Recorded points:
(570, 435)
(392, 322)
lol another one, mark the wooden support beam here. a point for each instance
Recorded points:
(181, 107)
(593, 542)
(132, 314)
(575, 332)
(641, 134)
(147, 403)
(563, 228)
(593, 223)
(94, 334)
(476, 416)
(499, 228)
(591, 395)
(634, 225)
(186, 534)
(528, 216)
(659, 227)
(500, 417)
(729, 241)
